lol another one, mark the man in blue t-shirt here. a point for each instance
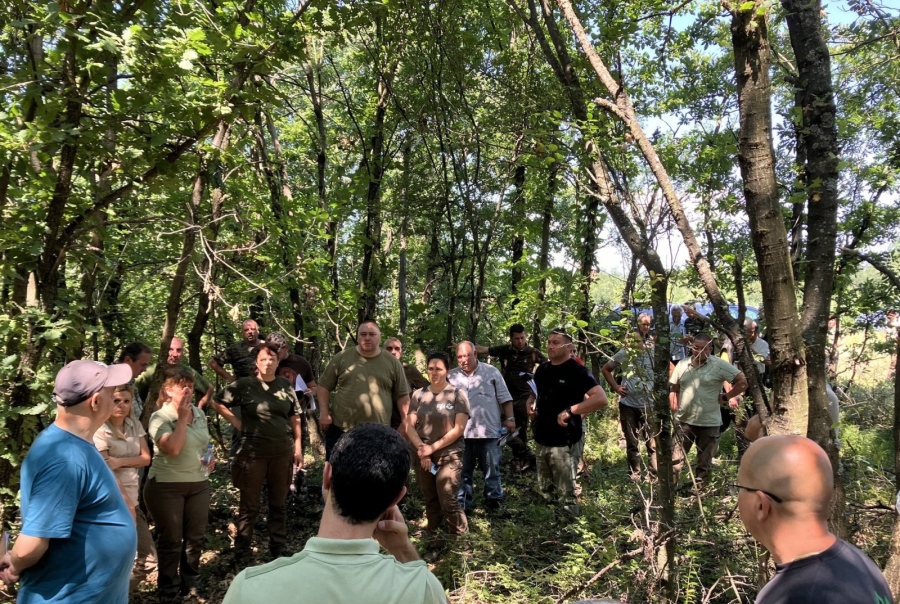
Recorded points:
(566, 392)
(78, 541)
(785, 484)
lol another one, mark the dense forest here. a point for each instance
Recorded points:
(450, 168)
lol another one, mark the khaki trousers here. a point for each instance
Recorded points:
(636, 429)
(707, 440)
(440, 493)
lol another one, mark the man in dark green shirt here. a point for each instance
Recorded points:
(518, 361)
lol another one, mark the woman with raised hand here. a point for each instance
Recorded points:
(270, 445)
(177, 489)
(437, 418)
(123, 444)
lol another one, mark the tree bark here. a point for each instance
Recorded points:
(544, 262)
(815, 96)
(752, 56)
(176, 288)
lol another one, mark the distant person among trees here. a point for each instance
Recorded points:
(361, 484)
(367, 384)
(487, 394)
(784, 489)
(202, 388)
(136, 355)
(437, 418)
(518, 361)
(122, 442)
(299, 372)
(566, 393)
(238, 354)
(414, 378)
(635, 392)
(77, 541)
(271, 444)
(177, 489)
(679, 338)
(695, 396)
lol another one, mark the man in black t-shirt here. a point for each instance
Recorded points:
(784, 489)
(238, 355)
(566, 393)
(518, 361)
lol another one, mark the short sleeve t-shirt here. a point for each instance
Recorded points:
(184, 467)
(266, 412)
(637, 375)
(517, 367)
(486, 392)
(365, 388)
(301, 366)
(560, 386)
(700, 388)
(123, 444)
(69, 495)
(842, 574)
(436, 415)
(238, 356)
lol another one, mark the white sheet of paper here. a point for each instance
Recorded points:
(300, 385)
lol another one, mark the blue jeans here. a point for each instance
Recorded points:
(486, 453)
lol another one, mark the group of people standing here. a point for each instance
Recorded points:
(78, 540)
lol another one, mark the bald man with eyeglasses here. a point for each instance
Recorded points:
(784, 489)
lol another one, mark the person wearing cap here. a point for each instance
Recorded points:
(78, 540)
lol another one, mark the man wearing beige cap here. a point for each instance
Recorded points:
(78, 540)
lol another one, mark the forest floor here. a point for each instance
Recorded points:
(531, 552)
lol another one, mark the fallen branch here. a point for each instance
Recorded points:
(579, 588)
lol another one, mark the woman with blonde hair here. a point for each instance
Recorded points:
(177, 490)
(123, 444)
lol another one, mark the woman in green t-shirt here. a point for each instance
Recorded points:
(437, 418)
(270, 444)
(177, 490)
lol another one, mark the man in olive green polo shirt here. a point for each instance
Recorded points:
(695, 394)
(361, 485)
(369, 387)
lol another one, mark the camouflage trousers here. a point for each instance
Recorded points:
(557, 468)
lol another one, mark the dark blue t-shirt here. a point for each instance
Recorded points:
(70, 496)
(842, 574)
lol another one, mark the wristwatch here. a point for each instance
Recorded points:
(570, 412)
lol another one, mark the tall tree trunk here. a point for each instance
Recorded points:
(544, 262)
(402, 277)
(892, 569)
(208, 269)
(371, 273)
(817, 107)
(749, 31)
(176, 288)
(519, 218)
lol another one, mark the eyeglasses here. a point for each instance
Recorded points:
(736, 488)
(392, 348)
